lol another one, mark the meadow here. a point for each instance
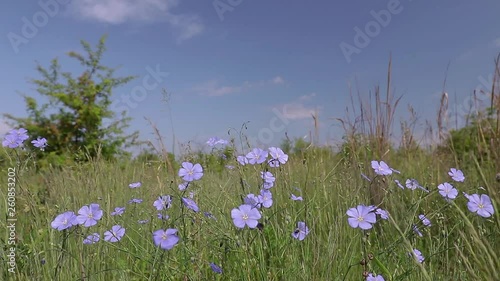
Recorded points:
(455, 242)
(369, 209)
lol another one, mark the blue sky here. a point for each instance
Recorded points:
(272, 63)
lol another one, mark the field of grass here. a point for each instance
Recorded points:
(459, 244)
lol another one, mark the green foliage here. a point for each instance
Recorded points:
(479, 139)
(458, 246)
(304, 149)
(73, 120)
(297, 146)
(216, 159)
(287, 146)
(147, 156)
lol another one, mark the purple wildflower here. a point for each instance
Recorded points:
(277, 157)
(481, 205)
(215, 268)
(417, 231)
(257, 156)
(361, 216)
(381, 168)
(209, 215)
(370, 277)
(418, 256)
(296, 198)
(413, 184)
(301, 231)
(92, 238)
(382, 213)
(163, 217)
(21, 134)
(245, 215)
(267, 177)
(190, 172)
(466, 195)
(15, 138)
(183, 185)
(115, 234)
(448, 191)
(10, 141)
(242, 160)
(252, 200)
(163, 202)
(165, 239)
(213, 141)
(424, 220)
(118, 211)
(135, 184)
(89, 215)
(190, 204)
(267, 185)
(64, 221)
(399, 184)
(456, 175)
(266, 198)
(40, 143)
(135, 200)
(395, 171)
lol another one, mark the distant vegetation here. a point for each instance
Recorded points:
(74, 118)
(423, 208)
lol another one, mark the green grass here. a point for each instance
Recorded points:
(459, 245)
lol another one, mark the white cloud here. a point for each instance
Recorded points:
(278, 80)
(213, 88)
(307, 97)
(121, 11)
(4, 128)
(187, 26)
(298, 109)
